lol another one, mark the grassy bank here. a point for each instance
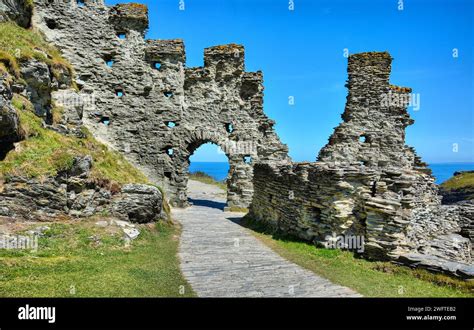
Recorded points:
(79, 259)
(45, 152)
(461, 184)
(18, 44)
(205, 178)
(371, 279)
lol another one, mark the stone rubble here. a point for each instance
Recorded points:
(73, 193)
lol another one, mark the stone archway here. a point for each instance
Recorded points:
(239, 178)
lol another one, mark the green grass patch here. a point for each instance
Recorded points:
(463, 180)
(82, 260)
(18, 44)
(371, 279)
(459, 187)
(206, 178)
(45, 152)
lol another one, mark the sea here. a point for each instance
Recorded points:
(441, 171)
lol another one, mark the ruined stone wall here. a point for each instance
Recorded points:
(148, 105)
(368, 183)
(375, 118)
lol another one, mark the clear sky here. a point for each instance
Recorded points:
(301, 53)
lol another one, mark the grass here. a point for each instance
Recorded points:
(46, 153)
(371, 279)
(205, 178)
(82, 260)
(463, 180)
(18, 44)
(462, 183)
(238, 209)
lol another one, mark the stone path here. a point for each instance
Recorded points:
(220, 258)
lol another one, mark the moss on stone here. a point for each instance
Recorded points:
(400, 89)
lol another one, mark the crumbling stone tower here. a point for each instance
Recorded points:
(141, 99)
(367, 183)
(375, 117)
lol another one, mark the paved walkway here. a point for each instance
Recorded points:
(220, 258)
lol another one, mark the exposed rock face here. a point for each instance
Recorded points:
(74, 194)
(33, 199)
(38, 78)
(368, 183)
(140, 90)
(18, 11)
(9, 125)
(140, 203)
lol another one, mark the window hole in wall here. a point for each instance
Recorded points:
(270, 198)
(364, 163)
(247, 159)
(80, 3)
(171, 124)
(109, 60)
(119, 93)
(363, 138)
(105, 120)
(374, 189)
(229, 128)
(168, 94)
(169, 151)
(316, 213)
(51, 23)
(122, 35)
(156, 65)
(167, 175)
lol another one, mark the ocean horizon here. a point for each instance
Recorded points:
(441, 171)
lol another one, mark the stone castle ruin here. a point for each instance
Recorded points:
(148, 105)
(139, 97)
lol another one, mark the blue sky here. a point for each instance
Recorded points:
(301, 54)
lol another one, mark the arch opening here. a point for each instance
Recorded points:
(209, 159)
(209, 165)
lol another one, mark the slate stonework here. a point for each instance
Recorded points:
(151, 107)
(368, 183)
